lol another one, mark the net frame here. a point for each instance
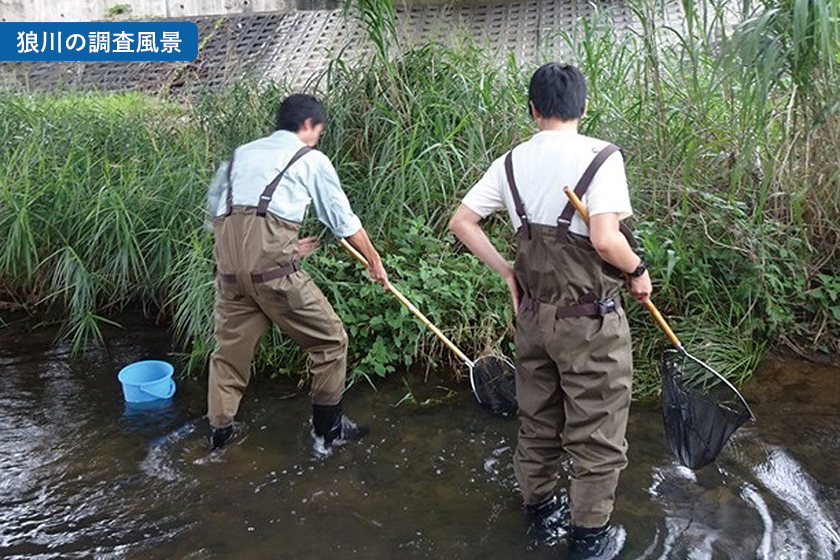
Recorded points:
(701, 408)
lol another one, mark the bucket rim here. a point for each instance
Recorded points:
(170, 370)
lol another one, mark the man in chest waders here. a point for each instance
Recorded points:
(258, 200)
(573, 355)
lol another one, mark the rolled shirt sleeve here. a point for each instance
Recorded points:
(331, 204)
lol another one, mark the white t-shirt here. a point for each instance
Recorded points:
(542, 166)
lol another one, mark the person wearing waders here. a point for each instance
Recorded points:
(258, 200)
(573, 355)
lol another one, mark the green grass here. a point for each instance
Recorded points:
(730, 139)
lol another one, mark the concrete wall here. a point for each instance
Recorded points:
(11, 10)
(92, 10)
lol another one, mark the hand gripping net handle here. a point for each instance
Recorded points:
(660, 320)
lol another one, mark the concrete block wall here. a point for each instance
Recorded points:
(297, 46)
(94, 10)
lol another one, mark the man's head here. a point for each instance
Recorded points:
(557, 91)
(304, 115)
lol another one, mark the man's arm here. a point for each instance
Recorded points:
(361, 242)
(333, 209)
(465, 226)
(613, 247)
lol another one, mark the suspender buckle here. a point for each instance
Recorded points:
(265, 197)
(562, 228)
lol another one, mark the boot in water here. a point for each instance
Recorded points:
(598, 543)
(548, 522)
(220, 437)
(332, 428)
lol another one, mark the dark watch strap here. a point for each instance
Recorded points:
(639, 270)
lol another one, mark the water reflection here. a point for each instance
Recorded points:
(149, 416)
(84, 475)
(804, 529)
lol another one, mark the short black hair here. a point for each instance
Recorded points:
(558, 91)
(295, 109)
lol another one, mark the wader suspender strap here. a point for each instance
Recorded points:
(517, 200)
(230, 185)
(565, 218)
(265, 197)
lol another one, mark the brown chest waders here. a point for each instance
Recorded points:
(573, 361)
(258, 282)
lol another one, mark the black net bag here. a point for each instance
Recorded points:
(493, 380)
(700, 408)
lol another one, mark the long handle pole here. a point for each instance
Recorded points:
(359, 257)
(663, 324)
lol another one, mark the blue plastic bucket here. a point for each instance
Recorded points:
(147, 381)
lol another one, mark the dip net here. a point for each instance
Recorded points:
(493, 380)
(701, 409)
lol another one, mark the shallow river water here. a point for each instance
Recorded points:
(83, 475)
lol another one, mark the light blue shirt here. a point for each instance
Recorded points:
(311, 179)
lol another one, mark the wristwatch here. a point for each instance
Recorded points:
(639, 270)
